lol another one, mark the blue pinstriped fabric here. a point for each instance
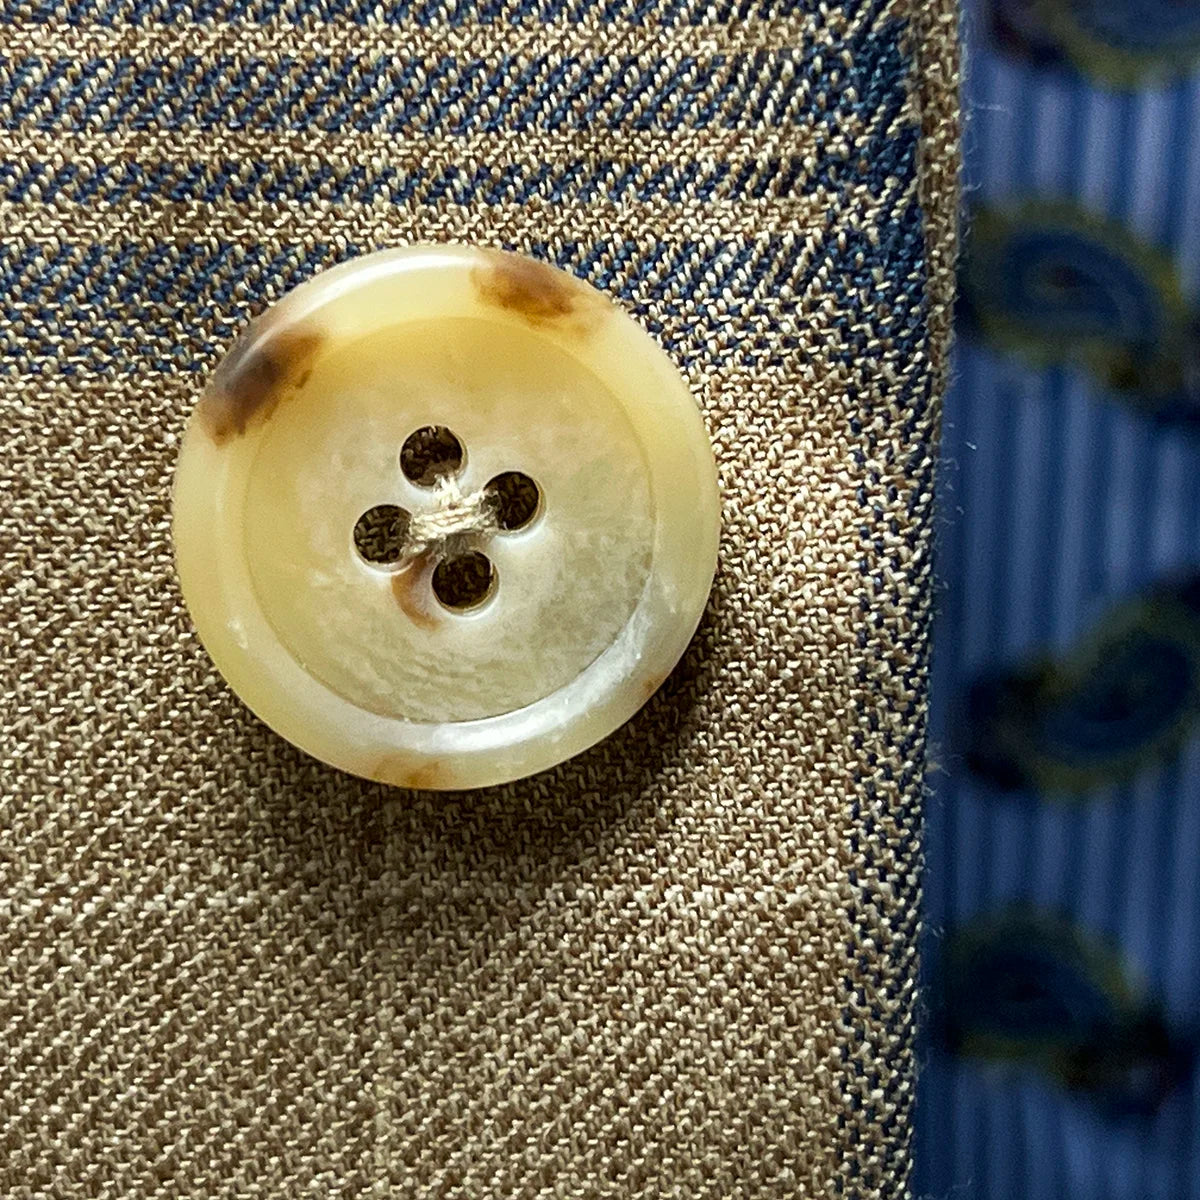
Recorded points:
(682, 964)
(1072, 505)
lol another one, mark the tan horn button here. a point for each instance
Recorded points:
(445, 517)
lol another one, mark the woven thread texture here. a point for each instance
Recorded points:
(682, 964)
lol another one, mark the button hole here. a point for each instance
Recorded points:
(380, 534)
(430, 454)
(462, 582)
(515, 499)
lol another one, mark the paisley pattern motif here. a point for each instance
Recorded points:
(1126, 696)
(1030, 989)
(1119, 42)
(1125, 40)
(1056, 285)
(1019, 26)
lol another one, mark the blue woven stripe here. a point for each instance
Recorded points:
(451, 96)
(135, 291)
(422, 13)
(446, 96)
(140, 288)
(207, 282)
(585, 181)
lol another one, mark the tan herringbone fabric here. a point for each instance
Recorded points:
(681, 965)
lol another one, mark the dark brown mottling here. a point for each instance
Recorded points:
(411, 586)
(540, 293)
(250, 383)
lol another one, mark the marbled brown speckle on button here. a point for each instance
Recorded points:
(540, 293)
(406, 771)
(428, 776)
(250, 383)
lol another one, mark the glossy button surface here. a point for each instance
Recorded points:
(445, 516)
